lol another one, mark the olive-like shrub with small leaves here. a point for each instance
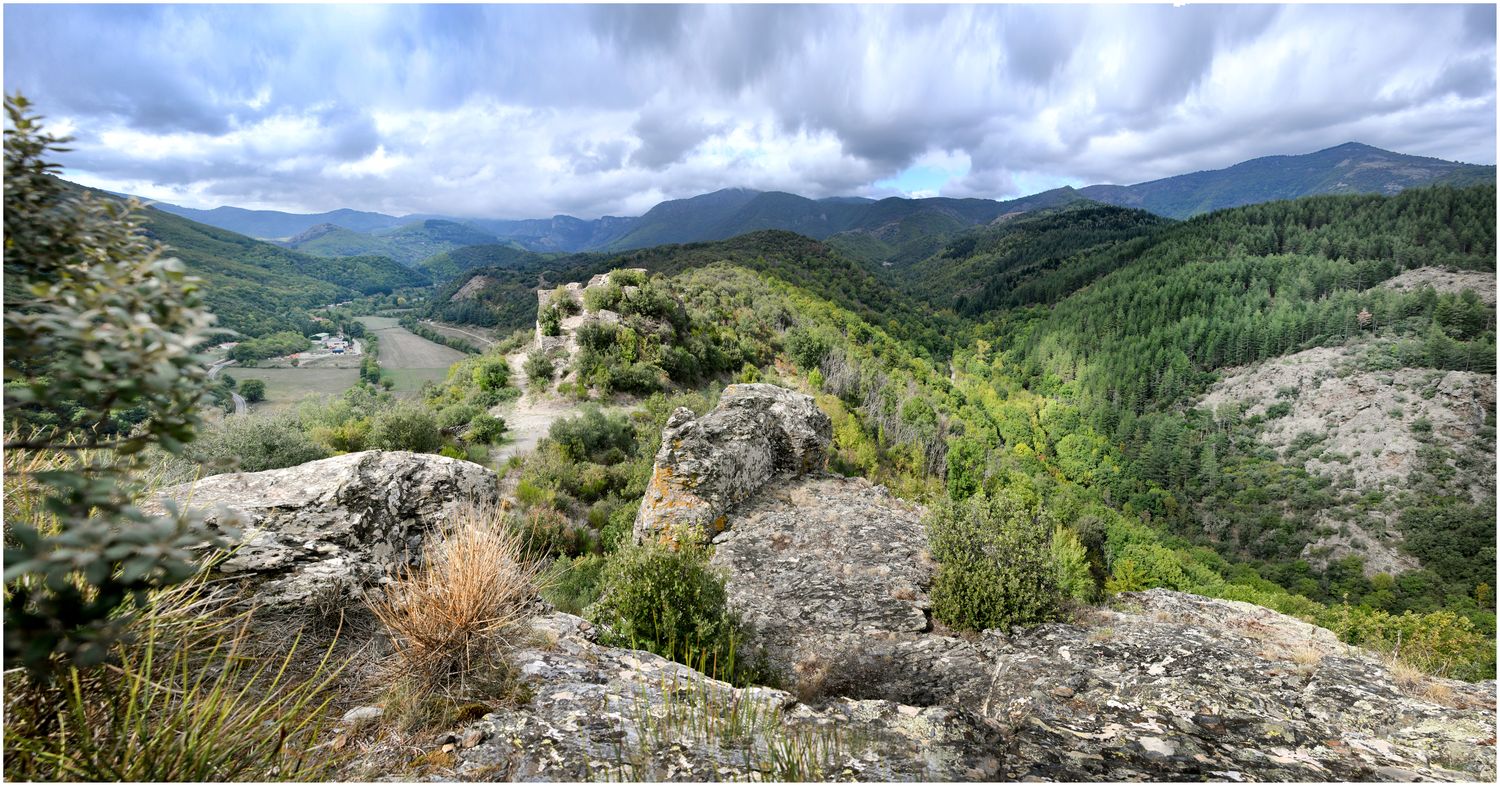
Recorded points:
(100, 363)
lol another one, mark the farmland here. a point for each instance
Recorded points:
(408, 358)
(287, 386)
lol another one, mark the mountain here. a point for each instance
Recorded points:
(274, 224)
(559, 233)
(895, 230)
(453, 264)
(407, 244)
(1350, 168)
(256, 287)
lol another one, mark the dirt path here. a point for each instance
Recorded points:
(528, 418)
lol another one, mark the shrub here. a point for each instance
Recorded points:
(671, 602)
(466, 603)
(253, 390)
(1070, 563)
(255, 444)
(491, 374)
(594, 436)
(572, 585)
(99, 365)
(1127, 577)
(485, 429)
(564, 303)
(603, 297)
(994, 567)
(539, 367)
(457, 415)
(405, 427)
(550, 321)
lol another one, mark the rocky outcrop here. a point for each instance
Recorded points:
(707, 465)
(832, 575)
(333, 525)
(1369, 431)
(1480, 282)
(602, 713)
(1164, 686)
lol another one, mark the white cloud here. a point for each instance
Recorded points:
(522, 111)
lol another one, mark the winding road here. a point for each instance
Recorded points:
(241, 407)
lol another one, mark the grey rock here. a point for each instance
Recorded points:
(833, 574)
(361, 714)
(602, 713)
(707, 465)
(335, 525)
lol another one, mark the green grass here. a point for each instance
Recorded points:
(287, 386)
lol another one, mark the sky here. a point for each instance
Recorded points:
(529, 111)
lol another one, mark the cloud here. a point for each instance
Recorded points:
(525, 111)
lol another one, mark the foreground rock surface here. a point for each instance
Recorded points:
(603, 714)
(334, 525)
(707, 465)
(1164, 686)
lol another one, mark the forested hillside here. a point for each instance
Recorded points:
(1350, 168)
(504, 296)
(1086, 339)
(257, 288)
(408, 244)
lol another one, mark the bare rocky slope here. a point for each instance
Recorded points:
(1158, 686)
(1369, 431)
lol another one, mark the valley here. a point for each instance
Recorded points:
(891, 487)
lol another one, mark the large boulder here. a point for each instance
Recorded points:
(708, 465)
(335, 525)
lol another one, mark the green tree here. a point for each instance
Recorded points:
(253, 390)
(99, 332)
(406, 427)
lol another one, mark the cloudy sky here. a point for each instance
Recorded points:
(526, 111)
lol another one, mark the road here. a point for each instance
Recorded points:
(440, 328)
(241, 407)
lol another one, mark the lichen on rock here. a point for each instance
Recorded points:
(707, 465)
(332, 525)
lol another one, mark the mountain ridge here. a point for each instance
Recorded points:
(1351, 167)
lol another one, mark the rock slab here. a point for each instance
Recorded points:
(708, 465)
(333, 525)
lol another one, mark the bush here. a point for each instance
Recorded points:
(457, 415)
(671, 602)
(594, 436)
(491, 374)
(539, 367)
(1070, 564)
(255, 444)
(550, 321)
(99, 365)
(253, 390)
(485, 429)
(406, 427)
(995, 569)
(572, 585)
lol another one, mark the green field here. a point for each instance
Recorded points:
(407, 358)
(287, 386)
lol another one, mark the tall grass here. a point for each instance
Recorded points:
(464, 605)
(193, 695)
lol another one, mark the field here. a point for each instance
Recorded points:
(478, 336)
(410, 359)
(287, 386)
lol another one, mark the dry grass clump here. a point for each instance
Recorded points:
(466, 603)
